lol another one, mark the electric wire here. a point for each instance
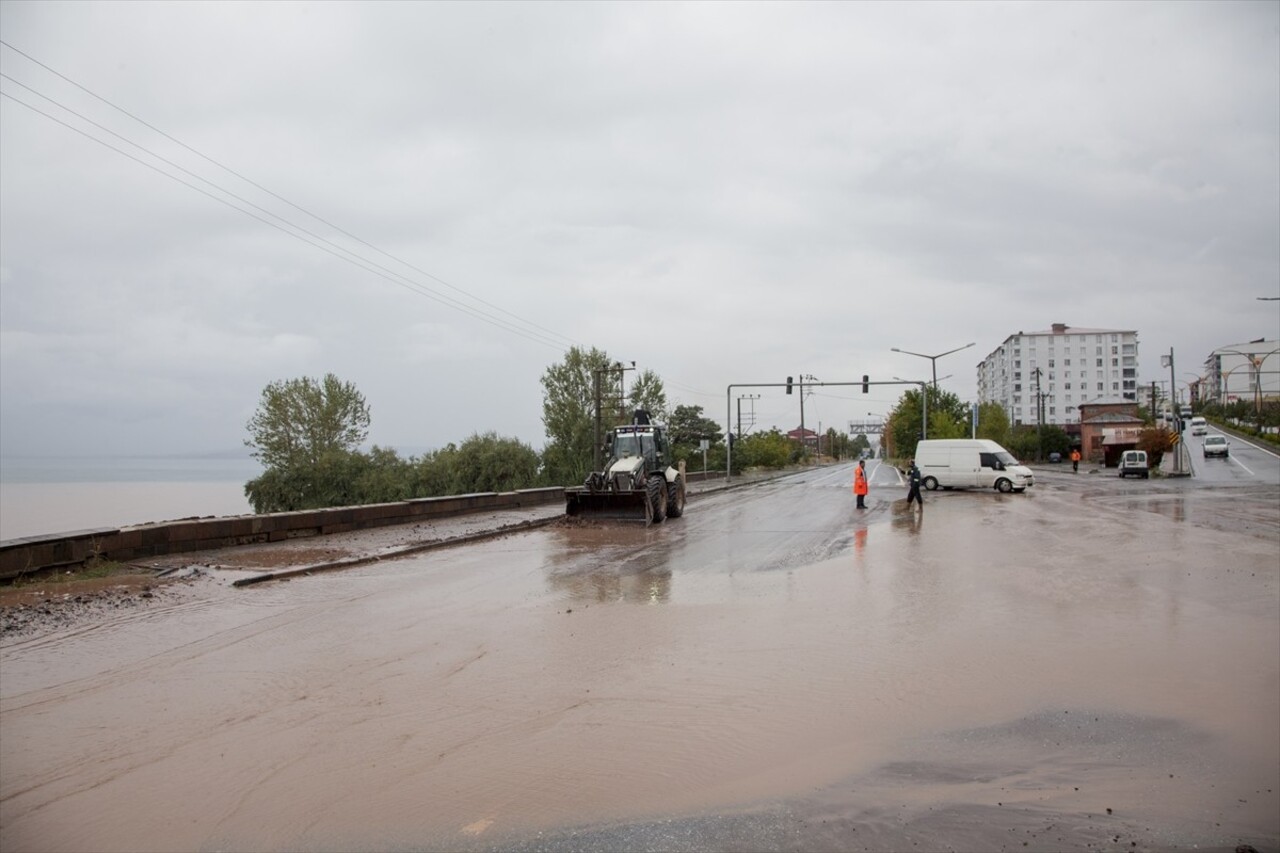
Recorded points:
(534, 332)
(281, 198)
(359, 260)
(354, 260)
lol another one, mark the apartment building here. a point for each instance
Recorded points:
(1061, 368)
(1249, 371)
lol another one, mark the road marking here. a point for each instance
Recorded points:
(1241, 464)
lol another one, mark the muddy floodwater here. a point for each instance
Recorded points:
(1092, 665)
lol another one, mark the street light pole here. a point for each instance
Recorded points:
(932, 358)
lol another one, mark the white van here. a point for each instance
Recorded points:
(1199, 426)
(966, 463)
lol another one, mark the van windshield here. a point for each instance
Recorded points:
(1006, 457)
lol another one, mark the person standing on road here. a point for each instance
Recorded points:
(860, 483)
(913, 481)
(1075, 460)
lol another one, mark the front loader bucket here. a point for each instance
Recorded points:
(628, 506)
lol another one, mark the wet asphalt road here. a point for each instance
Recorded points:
(1094, 665)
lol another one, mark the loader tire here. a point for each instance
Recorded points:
(655, 500)
(675, 498)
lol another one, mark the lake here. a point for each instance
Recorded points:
(42, 495)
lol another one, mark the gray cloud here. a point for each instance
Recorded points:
(725, 193)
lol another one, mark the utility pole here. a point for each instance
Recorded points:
(1039, 420)
(617, 368)
(1177, 415)
(752, 398)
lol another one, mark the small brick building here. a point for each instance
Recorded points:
(1107, 429)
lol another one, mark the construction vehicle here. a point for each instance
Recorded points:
(637, 482)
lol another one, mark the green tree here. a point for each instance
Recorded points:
(769, 449)
(993, 423)
(568, 414)
(306, 434)
(688, 427)
(302, 421)
(948, 418)
(648, 393)
(488, 463)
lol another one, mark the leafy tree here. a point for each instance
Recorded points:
(487, 463)
(1024, 443)
(303, 421)
(384, 477)
(647, 393)
(769, 449)
(568, 414)
(948, 418)
(688, 427)
(993, 423)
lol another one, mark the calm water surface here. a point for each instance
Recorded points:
(40, 495)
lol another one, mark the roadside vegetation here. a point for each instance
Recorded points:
(308, 435)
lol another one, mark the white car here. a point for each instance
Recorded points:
(1216, 445)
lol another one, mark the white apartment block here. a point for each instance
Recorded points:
(1066, 366)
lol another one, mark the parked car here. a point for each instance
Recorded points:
(1134, 462)
(1216, 445)
(1055, 456)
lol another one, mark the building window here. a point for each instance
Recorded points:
(1053, 410)
(1115, 386)
(1097, 350)
(1050, 364)
(1099, 363)
(1115, 362)
(1099, 386)
(1115, 338)
(1066, 362)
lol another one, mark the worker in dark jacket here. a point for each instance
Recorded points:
(913, 483)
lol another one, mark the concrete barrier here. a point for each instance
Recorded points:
(122, 544)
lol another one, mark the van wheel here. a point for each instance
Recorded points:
(930, 483)
(1004, 485)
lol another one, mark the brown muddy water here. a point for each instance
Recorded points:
(1090, 665)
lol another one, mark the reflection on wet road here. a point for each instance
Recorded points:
(798, 669)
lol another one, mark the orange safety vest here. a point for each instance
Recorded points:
(859, 481)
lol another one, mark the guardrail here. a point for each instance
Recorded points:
(40, 553)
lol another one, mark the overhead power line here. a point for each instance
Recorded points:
(533, 331)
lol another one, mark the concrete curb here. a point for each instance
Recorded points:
(706, 486)
(363, 559)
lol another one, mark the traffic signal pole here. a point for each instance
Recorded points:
(865, 383)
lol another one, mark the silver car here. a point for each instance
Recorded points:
(1216, 445)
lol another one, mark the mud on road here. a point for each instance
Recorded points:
(1090, 666)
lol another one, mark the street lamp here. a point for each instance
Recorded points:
(924, 402)
(1255, 360)
(932, 358)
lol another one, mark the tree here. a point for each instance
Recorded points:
(569, 411)
(303, 421)
(948, 418)
(993, 423)
(487, 463)
(647, 393)
(306, 433)
(687, 427)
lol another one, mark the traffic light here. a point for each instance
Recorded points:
(788, 384)
(865, 380)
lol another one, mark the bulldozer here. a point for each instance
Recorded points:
(637, 483)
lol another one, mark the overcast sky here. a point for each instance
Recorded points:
(720, 192)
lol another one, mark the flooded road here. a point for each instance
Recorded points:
(1089, 665)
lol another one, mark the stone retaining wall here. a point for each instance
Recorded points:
(122, 544)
